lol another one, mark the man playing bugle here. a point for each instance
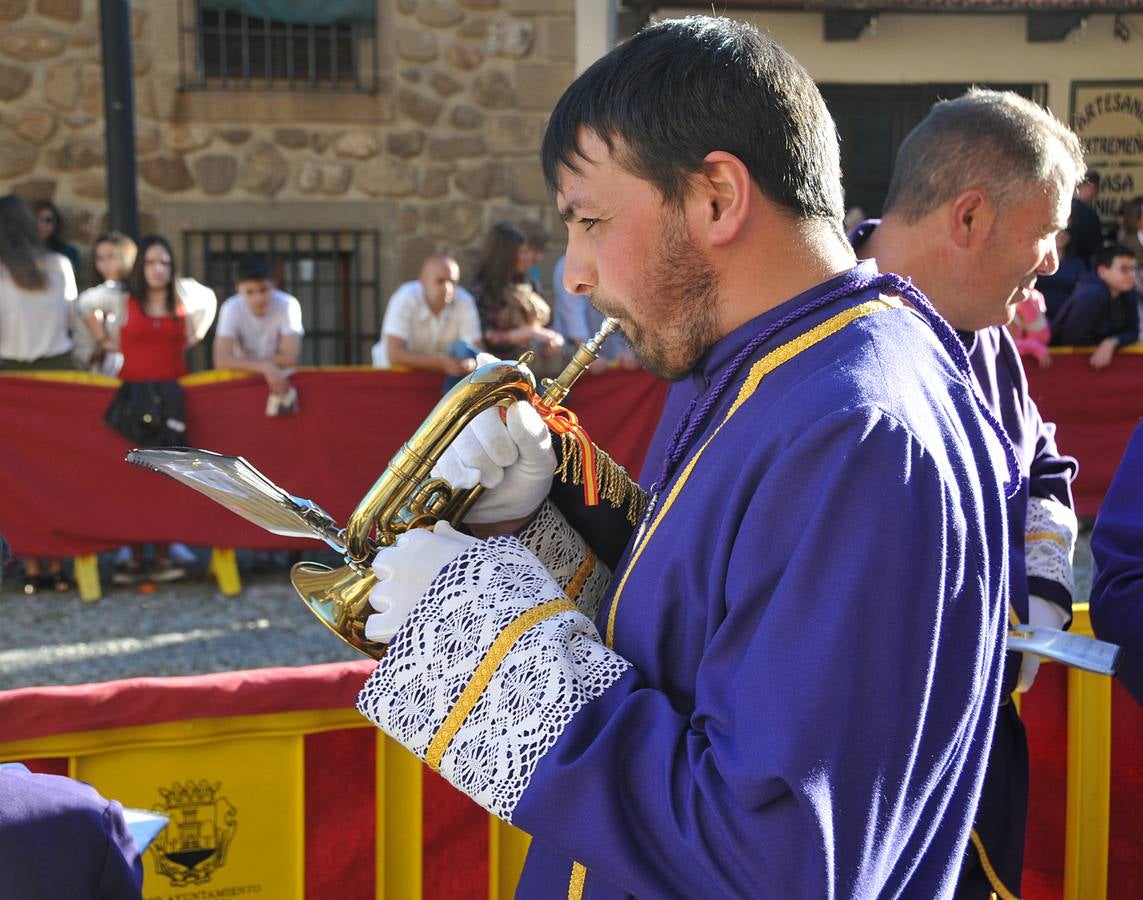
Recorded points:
(787, 686)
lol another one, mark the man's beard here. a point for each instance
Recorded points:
(679, 295)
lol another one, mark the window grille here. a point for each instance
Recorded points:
(223, 46)
(334, 274)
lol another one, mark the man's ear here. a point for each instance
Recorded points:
(970, 218)
(723, 187)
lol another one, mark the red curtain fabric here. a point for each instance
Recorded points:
(1095, 413)
(65, 490)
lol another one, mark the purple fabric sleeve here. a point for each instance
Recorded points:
(60, 838)
(820, 749)
(1117, 559)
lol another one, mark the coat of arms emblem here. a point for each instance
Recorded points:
(195, 842)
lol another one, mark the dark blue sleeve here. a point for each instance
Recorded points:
(1080, 322)
(1117, 561)
(1128, 320)
(851, 670)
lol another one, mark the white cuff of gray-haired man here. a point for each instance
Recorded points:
(1044, 615)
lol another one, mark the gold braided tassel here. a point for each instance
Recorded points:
(615, 485)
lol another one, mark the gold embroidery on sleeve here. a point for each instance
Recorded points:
(484, 672)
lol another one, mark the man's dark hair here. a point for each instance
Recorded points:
(994, 140)
(1091, 176)
(252, 268)
(1108, 253)
(683, 88)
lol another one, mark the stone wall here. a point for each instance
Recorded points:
(446, 145)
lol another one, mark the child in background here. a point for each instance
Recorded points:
(1030, 329)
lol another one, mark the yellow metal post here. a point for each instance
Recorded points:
(87, 577)
(224, 568)
(507, 847)
(399, 818)
(1088, 778)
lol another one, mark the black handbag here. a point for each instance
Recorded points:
(149, 413)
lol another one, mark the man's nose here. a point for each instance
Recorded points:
(1051, 261)
(579, 269)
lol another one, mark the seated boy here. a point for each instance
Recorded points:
(1101, 311)
(260, 330)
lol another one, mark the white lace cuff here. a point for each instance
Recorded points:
(487, 671)
(1049, 543)
(567, 556)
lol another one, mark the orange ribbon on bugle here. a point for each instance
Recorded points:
(562, 420)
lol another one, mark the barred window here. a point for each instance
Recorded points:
(334, 274)
(278, 44)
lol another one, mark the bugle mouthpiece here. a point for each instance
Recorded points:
(557, 388)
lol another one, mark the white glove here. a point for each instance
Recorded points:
(513, 460)
(1044, 615)
(404, 572)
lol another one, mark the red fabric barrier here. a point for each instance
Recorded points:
(65, 490)
(340, 824)
(29, 713)
(1045, 713)
(1095, 413)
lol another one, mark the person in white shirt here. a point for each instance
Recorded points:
(37, 289)
(260, 330)
(100, 309)
(431, 323)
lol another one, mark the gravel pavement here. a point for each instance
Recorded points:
(187, 628)
(184, 628)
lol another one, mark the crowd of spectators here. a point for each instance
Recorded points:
(435, 324)
(137, 319)
(1095, 297)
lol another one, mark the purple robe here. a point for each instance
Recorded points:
(59, 838)
(1042, 529)
(805, 657)
(1117, 566)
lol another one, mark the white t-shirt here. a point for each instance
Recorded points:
(258, 337)
(35, 324)
(408, 317)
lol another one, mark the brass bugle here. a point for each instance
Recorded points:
(407, 496)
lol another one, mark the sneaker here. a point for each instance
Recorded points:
(128, 574)
(182, 554)
(167, 573)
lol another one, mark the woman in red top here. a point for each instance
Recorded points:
(157, 333)
(154, 339)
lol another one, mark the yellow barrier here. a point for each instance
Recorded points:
(246, 774)
(227, 768)
(1086, 829)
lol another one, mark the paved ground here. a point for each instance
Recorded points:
(182, 629)
(186, 628)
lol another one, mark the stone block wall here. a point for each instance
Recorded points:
(447, 144)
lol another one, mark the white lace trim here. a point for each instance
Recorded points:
(1050, 539)
(551, 671)
(561, 549)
